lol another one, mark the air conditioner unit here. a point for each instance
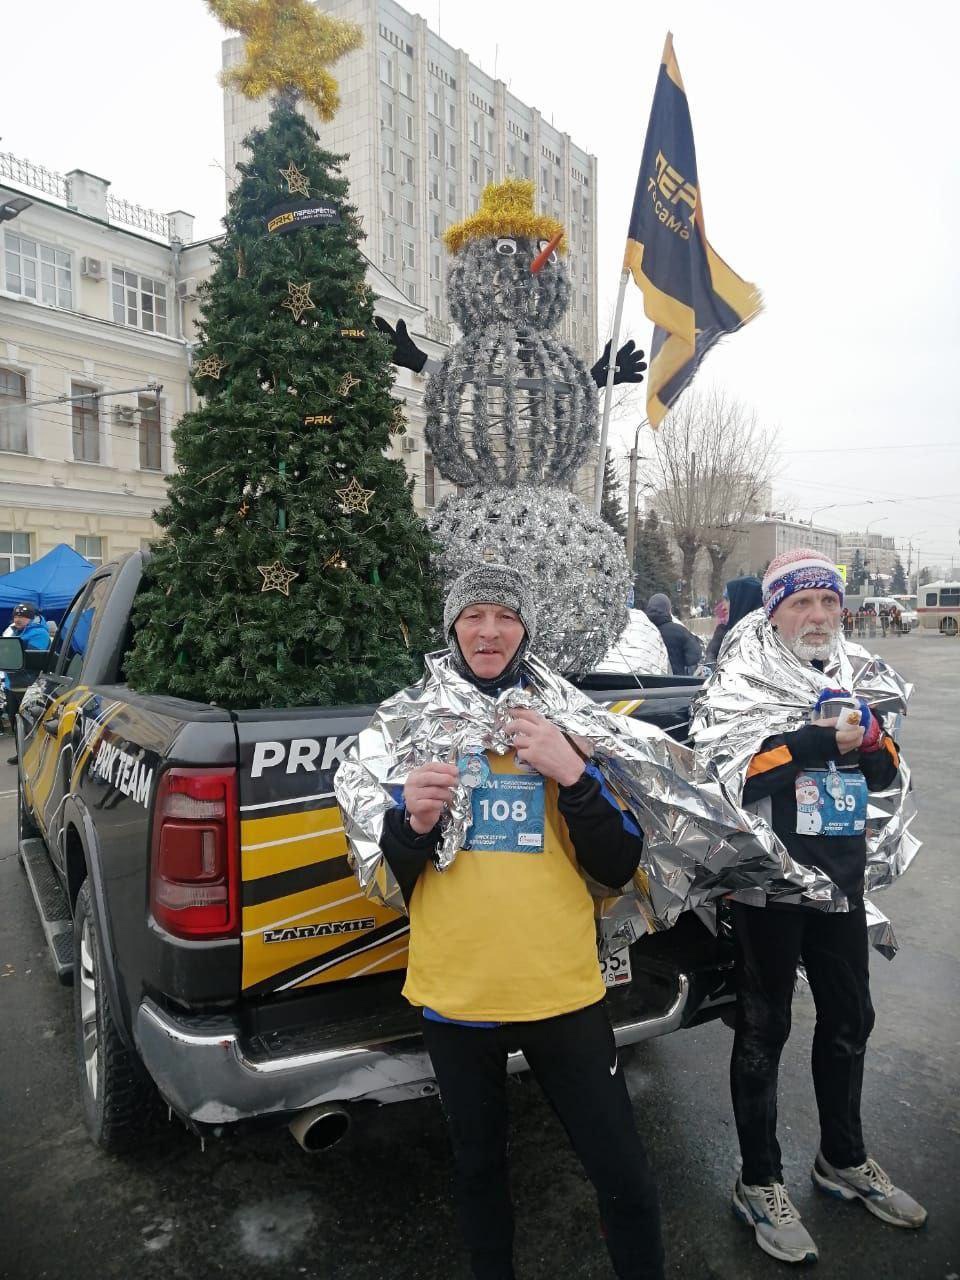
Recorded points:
(124, 413)
(92, 268)
(186, 289)
(409, 444)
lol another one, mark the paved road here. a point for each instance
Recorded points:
(378, 1206)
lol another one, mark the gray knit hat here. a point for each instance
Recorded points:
(491, 584)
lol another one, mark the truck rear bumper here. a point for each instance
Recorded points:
(205, 1072)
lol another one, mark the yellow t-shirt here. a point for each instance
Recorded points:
(505, 934)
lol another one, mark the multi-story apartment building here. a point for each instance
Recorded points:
(878, 554)
(424, 130)
(771, 535)
(97, 317)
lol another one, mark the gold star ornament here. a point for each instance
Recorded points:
(295, 180)
(299, 300)
(355, 498)
(398, 423)
(288, 46)
(346, 384)
(209, 367)
(276, 577)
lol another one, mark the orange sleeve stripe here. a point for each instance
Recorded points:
(890, 746)
(764, 761)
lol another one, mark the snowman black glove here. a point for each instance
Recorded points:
(406, 353)
(630, 365)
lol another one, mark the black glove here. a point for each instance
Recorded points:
(406, 353)
(630, 365)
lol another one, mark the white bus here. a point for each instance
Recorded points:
(938, 607)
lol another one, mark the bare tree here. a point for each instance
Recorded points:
(711, 463)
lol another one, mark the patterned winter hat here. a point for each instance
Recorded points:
(491, 584)
(800, 570)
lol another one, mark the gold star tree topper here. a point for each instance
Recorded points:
(355, 498)
(289, 44)
(296, 181)
(276, 577)
(209, 367)
(299, 300)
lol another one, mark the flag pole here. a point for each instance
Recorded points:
(608, 390)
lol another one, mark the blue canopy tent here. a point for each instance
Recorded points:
(50, 583)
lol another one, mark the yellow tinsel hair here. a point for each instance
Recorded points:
(506, 209)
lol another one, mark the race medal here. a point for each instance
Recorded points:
(507, 809)
(831, 802)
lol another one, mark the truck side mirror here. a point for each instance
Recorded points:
(11, 653)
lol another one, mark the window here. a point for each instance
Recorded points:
(435, 185)
(931, 600)
(525, 165)
(86, 423)
(14, 551)
(544, 179)
(435, 104)
(13, 425)
(451, 114)
(387, 69)
(149, 433)
(452, 155)
(435, 267)
(586, 207)
(474, 204)
(90, 547)
(386, 114)
(388, 203)
(387, 161)
(490, 141)
(407, 121)
(476, 131)
(412, 292)
(451, 195)
(557, 187)
(488, 174)
(474, 169)
(408, 169)
(86, 624)
(139, 301)
(35, 270)
(389, 247)
(950, 598)
(407, 206)
(406, 83)
(435, 224)
(434, 140)
(429, 481)
(409, 257)
(512, 156)
(438, 306)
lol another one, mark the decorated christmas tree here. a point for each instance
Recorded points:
(293, 568)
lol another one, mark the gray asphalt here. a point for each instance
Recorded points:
(379, 1205)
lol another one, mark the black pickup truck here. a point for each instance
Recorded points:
(190, 870)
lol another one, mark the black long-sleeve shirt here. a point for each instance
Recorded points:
(607, 841)
(773, 773)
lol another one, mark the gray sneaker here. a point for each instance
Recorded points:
(775, 1221)
(869, 1183)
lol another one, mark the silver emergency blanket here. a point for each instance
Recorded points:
(697, 845)
(759, 689)
(639, 650)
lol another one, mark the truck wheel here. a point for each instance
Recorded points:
(949, 626)
(119, 1102)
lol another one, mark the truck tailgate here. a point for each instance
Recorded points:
(305, 921)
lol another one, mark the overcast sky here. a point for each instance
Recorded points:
(826, 144)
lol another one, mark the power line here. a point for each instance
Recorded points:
(922, 444)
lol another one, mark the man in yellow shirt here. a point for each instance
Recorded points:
(503, 946)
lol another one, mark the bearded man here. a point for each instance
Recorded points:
(810, 785)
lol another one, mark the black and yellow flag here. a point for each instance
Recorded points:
(689, 292)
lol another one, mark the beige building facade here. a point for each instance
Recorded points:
(98, 312)
(763, 539)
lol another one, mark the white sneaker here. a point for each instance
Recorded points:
(775, 1221)
(868, 1182)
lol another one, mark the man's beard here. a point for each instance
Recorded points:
(806, 651)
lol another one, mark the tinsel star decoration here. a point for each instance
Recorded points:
(346, 384)
(276, 577)
(288, 46)
(335, 561)
(355, 498)
(295, 180)
(398, 423)
(362, 291)
(209, 367)
(299, 300)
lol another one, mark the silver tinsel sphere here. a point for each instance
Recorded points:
(572, 557)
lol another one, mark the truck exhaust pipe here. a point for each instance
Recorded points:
(320, 1128)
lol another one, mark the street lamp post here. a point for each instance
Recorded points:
(866, 541)
(632, 495)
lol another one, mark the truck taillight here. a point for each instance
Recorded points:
(195, 869)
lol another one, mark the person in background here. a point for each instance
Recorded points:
(743, 596)
(683, 647)
(31, 628)
(896, 620)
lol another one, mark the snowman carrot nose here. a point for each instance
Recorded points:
(543, 256)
